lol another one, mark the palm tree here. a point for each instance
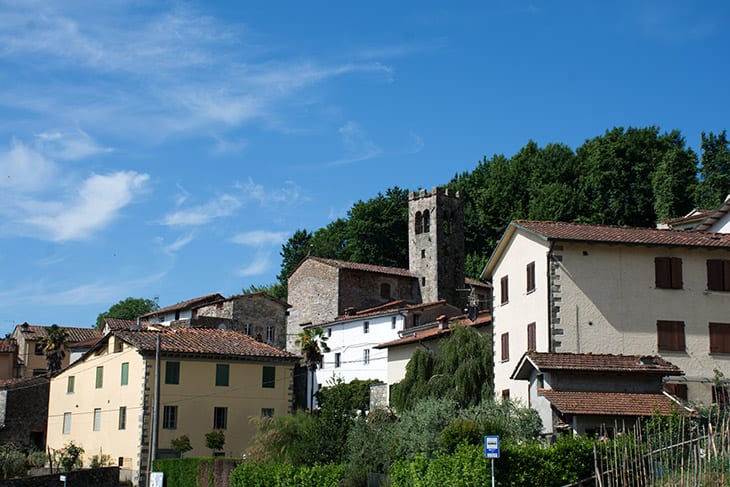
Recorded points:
(313, 344)
(53, 345)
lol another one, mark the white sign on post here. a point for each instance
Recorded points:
(157, 479)
(491, 446)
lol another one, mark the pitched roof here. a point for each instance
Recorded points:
(24, 381)
(8, 346)
(626, 235)
(119, 324)
(436, 331)
(203, 341)
(610, 403)
(261, 294)
(355, 266)
(75, 334)
(190, 303)
(588, 362)
(473, 282)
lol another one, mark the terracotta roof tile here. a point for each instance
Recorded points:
(603, 363)
(203, 341)
(190, 303)
(24, 381)
(119, 324)
(341, 264)
(626, 235)
(75, 334)
(8, 346)
(609, 403)
(436, 331)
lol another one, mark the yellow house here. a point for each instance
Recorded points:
(209, 379)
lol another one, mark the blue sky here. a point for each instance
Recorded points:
(168, 149)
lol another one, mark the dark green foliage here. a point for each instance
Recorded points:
(53, 345)
(460, 431)
(275, 290)
(353, 395)
(370, 445)
(215, 440)
(181, 444)
(285, 439)
(462, 371)
(127, 309)
(254, 474)
(182, 472)
(714, 183)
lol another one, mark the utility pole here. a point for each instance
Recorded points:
(155, 412)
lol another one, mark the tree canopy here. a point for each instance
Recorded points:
(127, 309)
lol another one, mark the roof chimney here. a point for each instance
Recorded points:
(443, 322)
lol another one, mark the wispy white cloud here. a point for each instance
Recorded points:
(415, 143)
(23, 169)
(96, 204)
(289, 193)
(179, 243)
(358, 146)
(222, 206)
(260, 264)
(69, 146)
(258, 238)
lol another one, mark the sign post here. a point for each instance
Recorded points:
(491, 451)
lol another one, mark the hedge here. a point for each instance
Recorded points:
(282, 475)
(182, 472)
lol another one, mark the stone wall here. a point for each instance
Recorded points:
(97, 477)
(361, 289)
(26, 412)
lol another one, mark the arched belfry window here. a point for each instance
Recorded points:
(419, 223)
(426, 221)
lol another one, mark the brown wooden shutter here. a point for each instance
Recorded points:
(670, 336)
(662, 272)
(505, 346)
(504, 289)
(676, 272)
(531, 338)
(714, 275)
(719, 337)
(530, 277)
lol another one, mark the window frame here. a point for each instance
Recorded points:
(169, 417)
(719, 340)
(124, 381)
(71, 384)
(718, 275)
(267, 412)
(66, 427)
(268, 380)
(671, 336)
(122, 425)
(504, 356)
(99, 377)
(220, 418)
(270, 334)
(668, 273)
(532, 337)
(172, 372)
(504, 289)
(338, 360)
(222, 375)
(366, 327)
(530, 271)
(366, 356)
(96, 425)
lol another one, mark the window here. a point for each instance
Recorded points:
(38, 349)
(66, 423)
(419, 223)
(718, 275)
(719, 337)
(122, 417)
(337, 360)
(329, 332)
(366, 356)
(70, 384)
(668, 272)
(365, 326)
(530, 277)
(677, 390)
(385, 290)
(270, 334)
(416, 319)
(268, 377)
(97, 419)
(220, 418)
(505, 394)
(249, 329)
(177, 314)
(172, 372)
(531, 338)
(504, 288)
(169, 417)
(392, 323)
(221, 375)
(423, 253)
(505, 346)
(267, 412)
(100, 377)
(670, 336)
(423, 281)
(426, 221)
(125, 373)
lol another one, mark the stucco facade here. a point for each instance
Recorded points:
(601, 297)
(104, 402)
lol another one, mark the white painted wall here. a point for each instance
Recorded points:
(722, 225)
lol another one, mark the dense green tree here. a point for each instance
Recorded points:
(714, 183)
(415, 385)
(127, 309)
(465, 361)
(355, 395)
(674, 181)
(53, 345)
(293, 252)
(275, 290)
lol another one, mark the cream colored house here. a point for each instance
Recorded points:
(210, 380)
(563, 287)
(32, 359)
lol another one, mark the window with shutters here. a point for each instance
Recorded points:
(677, 390)
(719, 337)
(505, 347)
(504, 289)
(172, 372)
(670, 336)
(222, 374)
(220, 418)
(268, 377)
(718, 275)
(530, 277)
(668, 272)
(531, 338)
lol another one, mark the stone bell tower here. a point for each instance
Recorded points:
(436, 244)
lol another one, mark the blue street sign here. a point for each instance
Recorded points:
(491, 446)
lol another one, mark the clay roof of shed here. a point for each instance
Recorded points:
(203, 341)
(7, 346)
(119, 324)
(341, 264)
(602, 363)
(75, 334)
(610, 403)
(190, 303)
(624, 235)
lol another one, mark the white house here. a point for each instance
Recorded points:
(566, 287)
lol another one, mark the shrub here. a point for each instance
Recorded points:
(71, 456)
(460, 431)
(101, 460)
(12, 462)
(182, 472)
(181, 444)
(369, 446)
(215, 440)
(250, 474)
